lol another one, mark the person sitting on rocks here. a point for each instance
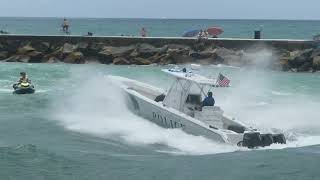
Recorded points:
(205, 34)
(200, 34)
(209, 100)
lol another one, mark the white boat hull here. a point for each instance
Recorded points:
(168, 117)
(208, 122)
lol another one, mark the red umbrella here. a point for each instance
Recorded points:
(215, 31)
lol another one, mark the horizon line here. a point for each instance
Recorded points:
(158, 18)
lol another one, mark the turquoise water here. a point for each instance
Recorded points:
(77, 126)
(282, 29)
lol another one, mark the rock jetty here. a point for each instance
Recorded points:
(144, 53)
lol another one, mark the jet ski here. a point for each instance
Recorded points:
(23, 88)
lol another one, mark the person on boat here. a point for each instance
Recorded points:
(209, 100)
(23, 78)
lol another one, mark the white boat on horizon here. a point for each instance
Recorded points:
(181, 107)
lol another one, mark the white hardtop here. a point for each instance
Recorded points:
(186, 84)
(195, 78)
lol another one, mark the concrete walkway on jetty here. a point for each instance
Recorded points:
(234, 43)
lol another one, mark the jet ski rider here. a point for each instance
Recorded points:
(209, 100)
(23, 78)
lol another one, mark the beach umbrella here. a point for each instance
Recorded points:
(215, 31)
(191, 33)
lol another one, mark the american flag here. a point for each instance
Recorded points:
(222, 81)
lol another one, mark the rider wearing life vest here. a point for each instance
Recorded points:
(24, 78)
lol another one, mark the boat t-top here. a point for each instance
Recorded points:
(181, 107)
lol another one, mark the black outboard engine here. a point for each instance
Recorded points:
(279, 138)
(255, 139)
(266, 140)
(251, 140)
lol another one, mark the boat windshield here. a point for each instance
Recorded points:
(184, 92)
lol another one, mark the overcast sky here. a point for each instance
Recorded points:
(204, 9)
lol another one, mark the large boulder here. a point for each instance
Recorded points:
(215, 59)
(307, 66)
(200, 46)
(12, 46)
(92, 60)
(18, 58)
(122, 51)
(300, 58)
(316, 63)
(53, 60)
(57, 53)
(3, 55)
(141, 61)
(35, 56)
(176, 56)
(157, 58)
(74, 58)
(202, 54)
(92, 49)
(315, 53)
(146, 50)
(134, 53)
(121, 61)
(68, 48)
(43, 47)
(178, 46)
(25, 49)
(2, 47)
(82, 45)
(222, 52)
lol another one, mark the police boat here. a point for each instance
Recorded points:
(181, 107)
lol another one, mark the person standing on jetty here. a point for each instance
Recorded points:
(143, 32)
(65, 26)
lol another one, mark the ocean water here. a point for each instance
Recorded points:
(77, 126)
(271, 29)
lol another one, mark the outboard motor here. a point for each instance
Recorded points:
(255, 139)
(266, 140)
(251, 140)
(279, 138)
